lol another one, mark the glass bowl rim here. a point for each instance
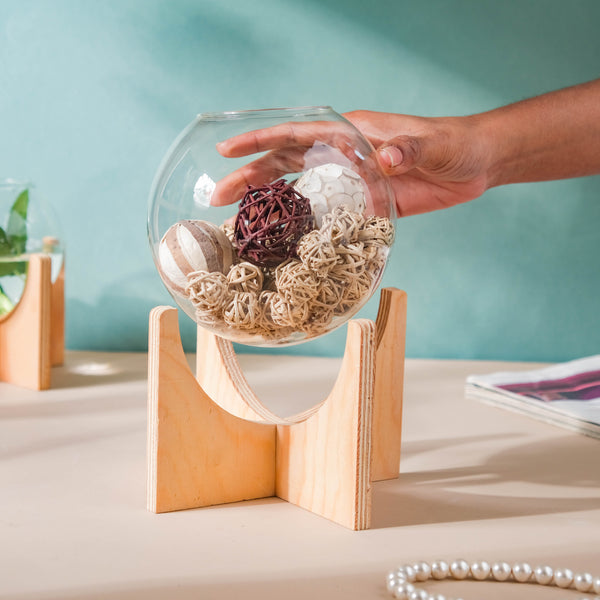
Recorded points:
(264, 112)
(9, 182)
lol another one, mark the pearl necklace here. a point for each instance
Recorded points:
(400, 582)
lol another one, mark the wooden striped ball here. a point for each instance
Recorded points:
(190, 246)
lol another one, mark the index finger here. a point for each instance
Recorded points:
(284, 135)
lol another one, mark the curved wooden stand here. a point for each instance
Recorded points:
(32, 334)
(211, 441)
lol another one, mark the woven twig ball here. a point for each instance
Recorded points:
(355, 292)
(318, 321)
(351, 261)
(376, 257)
(242, 311)
(265, 299)
(329, 294)
(295, 282)
(207, 292)
(245, 277)
(342, 226)
(283, 313)
(377, 229)
(270, 222)
(317, 253)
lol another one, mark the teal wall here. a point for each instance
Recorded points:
(93, 92)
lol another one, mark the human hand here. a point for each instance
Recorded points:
(432, 163)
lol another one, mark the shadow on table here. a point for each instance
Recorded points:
(544, 477)
(83, 369)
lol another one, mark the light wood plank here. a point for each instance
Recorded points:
(323, 463)
(198, 453)
(389, 384)
(57, 319)
(25, 331)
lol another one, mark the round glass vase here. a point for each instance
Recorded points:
(27, 226)
(278, 241)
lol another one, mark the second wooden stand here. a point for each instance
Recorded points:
(32, 335)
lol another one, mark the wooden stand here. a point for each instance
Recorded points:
(211, 441)
(32, 334)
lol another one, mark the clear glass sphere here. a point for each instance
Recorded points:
(27, 226)
(271, 227)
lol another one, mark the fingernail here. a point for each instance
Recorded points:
(391, 156)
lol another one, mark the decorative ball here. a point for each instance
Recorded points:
(242, 311)
(297, 284)
(377, 229)
(245, 277)
(317, 253)
(331, 185)
(271, 220)
(342, 226)
(190, 246)
(207, 291)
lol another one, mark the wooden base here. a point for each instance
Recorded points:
(32, 334)
(211, 441)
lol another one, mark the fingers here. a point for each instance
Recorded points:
(403, 153)
(283, 135)
(263, 170)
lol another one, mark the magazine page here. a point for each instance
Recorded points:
(565, 394)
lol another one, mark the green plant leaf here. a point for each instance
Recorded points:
(12, 267)
(6, 304)
(16, 228)
(4, 243)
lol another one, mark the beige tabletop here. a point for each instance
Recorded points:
(476, 482)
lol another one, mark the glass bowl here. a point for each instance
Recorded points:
(278, 235)
(27, 226)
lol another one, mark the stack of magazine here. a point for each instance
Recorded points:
(565, 394)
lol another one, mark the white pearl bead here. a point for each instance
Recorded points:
(543, 574)
(522, 572)
(501, 571)
(459, 569)
(437, 597)
(402, 590)
(422, 571)
(392, 582)
(398, 574)
(583, 582)
(480, 570)
(408, 572)
(596, 585)
(563, 578)
(440, 569)
(418, 595)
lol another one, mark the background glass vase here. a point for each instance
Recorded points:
(272, 269)
(27, 226)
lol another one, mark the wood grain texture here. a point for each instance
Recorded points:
(389, 383)
(220, 375)
(323, 463)
(57, 319)
(25, 331)
(198, 453)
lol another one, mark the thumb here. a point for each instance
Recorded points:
(400, 154)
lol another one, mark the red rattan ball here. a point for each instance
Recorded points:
(270, 222)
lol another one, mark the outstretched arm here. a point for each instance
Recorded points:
(434, 163)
